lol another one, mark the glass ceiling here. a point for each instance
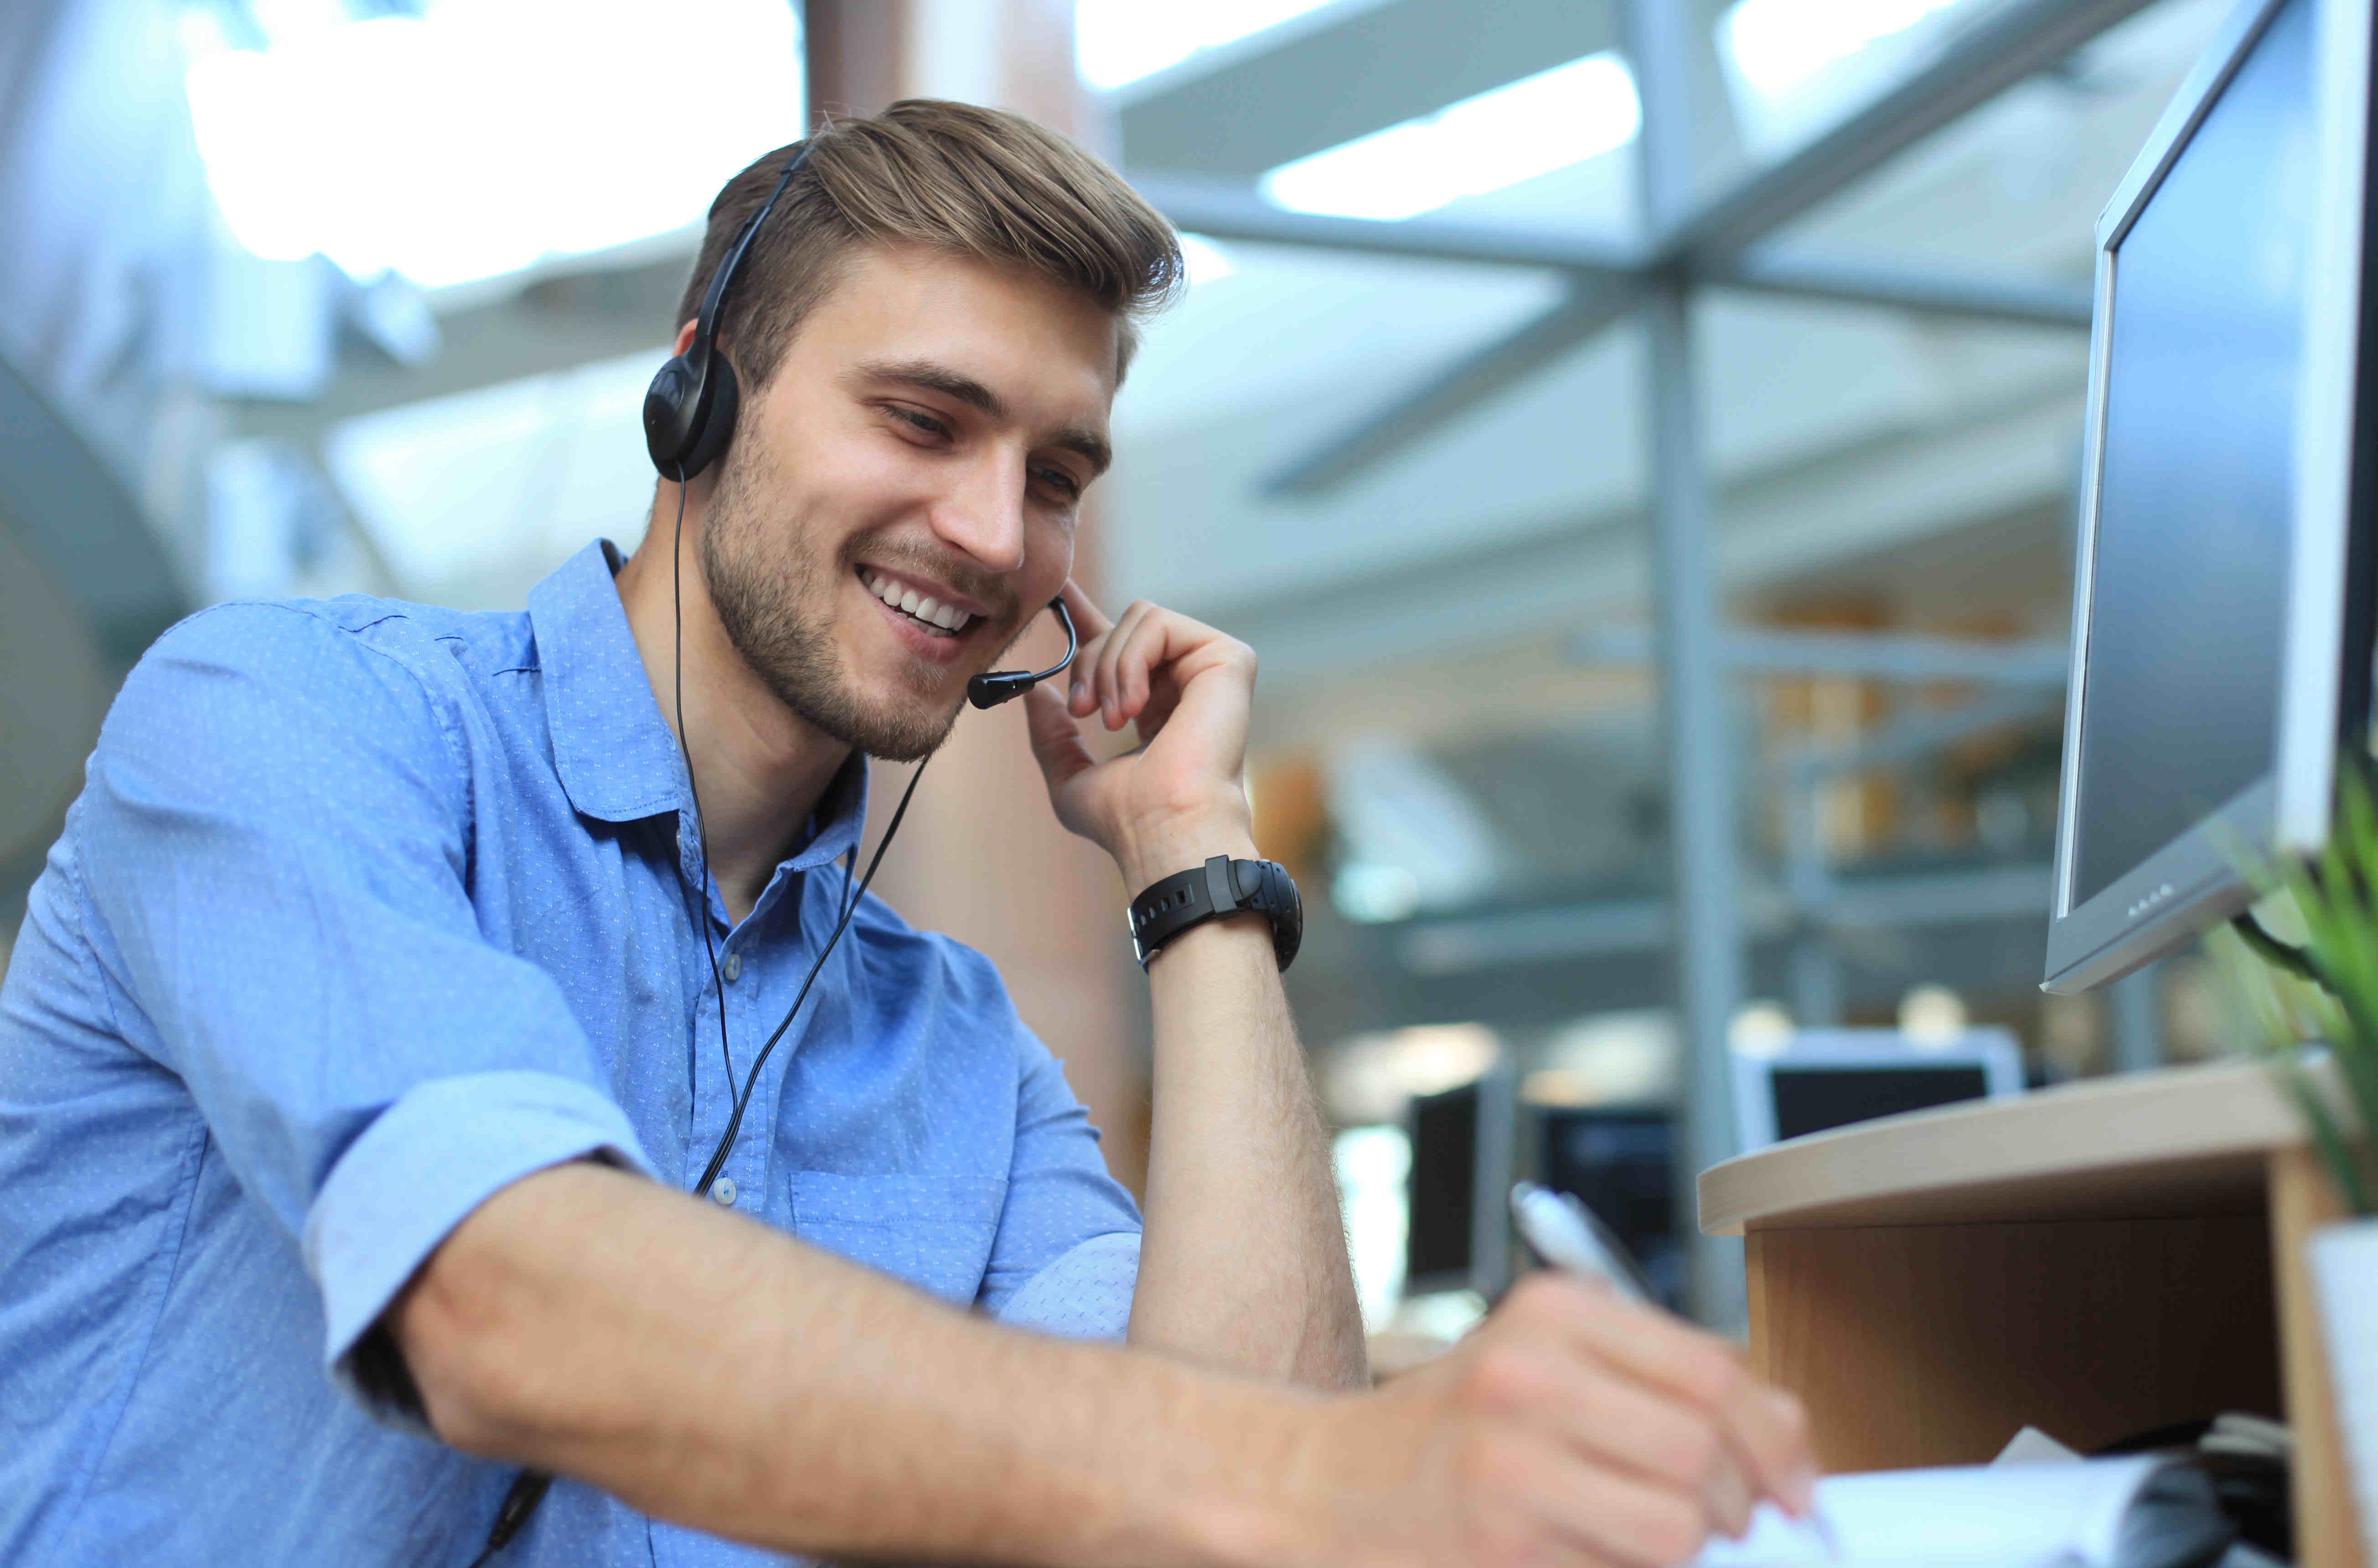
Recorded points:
(480, 135)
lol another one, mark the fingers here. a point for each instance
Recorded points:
(1137, 668)
(1764, 1427)
(1056, 740)
(1089, 621)
(1614, 1422)
(1608, 1516)
(1105, 684)
(1644, 1407)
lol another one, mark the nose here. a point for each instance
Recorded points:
(983, 511)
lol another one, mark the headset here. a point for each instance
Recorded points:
(690, 411)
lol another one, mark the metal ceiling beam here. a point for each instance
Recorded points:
(1917, 736)
(1474, 379)
(1343, 72)
(1227, 209)
(1966, 294)
(1501, 575)
(2001, 49)
(1455, 944)
(557, 323)
(1230, 209)
(1911, 659)
(1711, 241)
(75, 511)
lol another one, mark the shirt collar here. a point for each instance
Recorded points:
(611, 746)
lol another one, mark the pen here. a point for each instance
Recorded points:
(1565, 1235)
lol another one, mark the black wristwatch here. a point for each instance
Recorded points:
(1222, 886)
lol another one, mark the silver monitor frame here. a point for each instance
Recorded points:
(1488, 1268)
(2194, 881)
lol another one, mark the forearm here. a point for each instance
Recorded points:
(711, 1371)
(1244, 1263)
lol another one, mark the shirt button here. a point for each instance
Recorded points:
(722, 1191)
(733, 967)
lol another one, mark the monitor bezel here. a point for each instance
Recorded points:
(2193, 881)
(1488, 1269)
(1988, 1047)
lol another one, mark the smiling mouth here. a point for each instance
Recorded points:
(930, 615)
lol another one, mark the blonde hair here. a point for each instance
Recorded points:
(956, 177)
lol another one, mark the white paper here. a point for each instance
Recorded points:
(2053, 1515)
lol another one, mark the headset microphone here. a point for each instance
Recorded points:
(990, 691)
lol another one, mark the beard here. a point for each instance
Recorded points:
(775, 601)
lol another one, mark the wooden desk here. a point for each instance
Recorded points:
(2095, 1260)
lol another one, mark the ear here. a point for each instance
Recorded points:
(684, 339)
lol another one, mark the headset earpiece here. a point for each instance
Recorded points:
(690, 415)
(691, 406)
(715, 426)
(670, 412)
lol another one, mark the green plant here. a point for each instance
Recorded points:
(2323, 989)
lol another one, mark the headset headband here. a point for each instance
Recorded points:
(706, 321)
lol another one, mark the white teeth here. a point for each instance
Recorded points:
(949, 618)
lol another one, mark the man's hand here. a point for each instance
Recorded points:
(1181, 797)
(1572, 1427)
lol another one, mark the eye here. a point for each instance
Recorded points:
(1063, 483)
(919, 420)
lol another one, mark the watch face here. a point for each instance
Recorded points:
(1288, 922)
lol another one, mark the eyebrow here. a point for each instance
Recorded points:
(927, 376)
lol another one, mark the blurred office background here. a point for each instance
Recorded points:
(1639, 440)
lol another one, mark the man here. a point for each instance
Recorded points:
(363, 1043)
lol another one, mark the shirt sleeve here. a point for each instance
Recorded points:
(276, 842)
(1066, 1257)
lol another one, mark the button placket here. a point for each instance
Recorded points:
(748, 1031)
(714, 1086)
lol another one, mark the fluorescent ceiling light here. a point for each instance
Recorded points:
(1531, 127)
(487, 133)
(1206, 261)
(1778, 44)
(1121, 40)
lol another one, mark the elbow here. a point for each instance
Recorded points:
(468, 1381)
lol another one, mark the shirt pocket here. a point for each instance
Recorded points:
(933, 1231)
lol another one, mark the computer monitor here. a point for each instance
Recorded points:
(1620, 1162)
(1820, 1079)
(1458, 1233)
(2221, 638)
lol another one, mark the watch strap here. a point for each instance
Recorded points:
(1222, 886)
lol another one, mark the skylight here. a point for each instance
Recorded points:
(1778, 44)
(1528, 128)
(487, 133)
(1208, 261)
(1117, 42)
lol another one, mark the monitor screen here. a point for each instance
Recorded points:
(1812, 1099)
(2188, 590)
(1620, 1164)
(1443, 1185)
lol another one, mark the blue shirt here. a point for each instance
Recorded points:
(366, 911)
